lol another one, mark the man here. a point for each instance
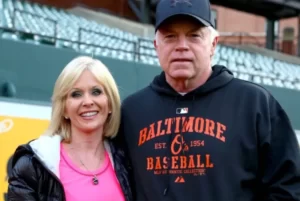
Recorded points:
(196, 132)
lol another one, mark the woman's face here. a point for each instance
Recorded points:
(87, 105)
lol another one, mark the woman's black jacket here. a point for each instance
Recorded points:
(33, 176)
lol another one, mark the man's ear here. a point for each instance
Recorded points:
(155, 43)
(214, 46)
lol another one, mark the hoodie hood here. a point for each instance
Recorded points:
(220, 77)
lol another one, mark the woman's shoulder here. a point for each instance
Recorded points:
(22, 154)
(22, 163)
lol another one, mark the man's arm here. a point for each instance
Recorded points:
(279, 158)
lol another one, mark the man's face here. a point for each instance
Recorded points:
(184, 48)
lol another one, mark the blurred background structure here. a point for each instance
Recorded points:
(259, 42)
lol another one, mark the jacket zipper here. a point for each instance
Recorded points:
(52, 174)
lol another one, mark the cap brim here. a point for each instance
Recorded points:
(202, 21)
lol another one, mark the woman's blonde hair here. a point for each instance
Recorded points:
(66, 80)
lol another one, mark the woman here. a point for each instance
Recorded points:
(76, 159)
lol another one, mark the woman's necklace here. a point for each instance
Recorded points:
(95, 179)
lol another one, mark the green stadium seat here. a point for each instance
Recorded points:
(10, 36)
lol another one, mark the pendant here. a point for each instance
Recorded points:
(95, 180)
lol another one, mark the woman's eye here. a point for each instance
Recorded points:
(96, 92)
(75, 94)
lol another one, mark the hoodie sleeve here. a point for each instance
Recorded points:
(279, 157)
(22, 181)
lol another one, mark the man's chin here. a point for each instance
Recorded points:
(181, 74)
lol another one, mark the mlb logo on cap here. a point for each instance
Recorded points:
(184, 110)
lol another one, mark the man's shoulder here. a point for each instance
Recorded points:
(137, 97)
(250, 87)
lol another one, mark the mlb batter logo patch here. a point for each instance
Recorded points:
(184, 110)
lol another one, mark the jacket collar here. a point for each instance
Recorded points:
(47, 148)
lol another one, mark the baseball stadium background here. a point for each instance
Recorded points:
(259, 42)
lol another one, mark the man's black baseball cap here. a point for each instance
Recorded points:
(197, 9)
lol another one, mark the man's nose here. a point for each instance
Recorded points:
(182, 44)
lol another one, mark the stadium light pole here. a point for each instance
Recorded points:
(142, 10)
(270, 34)
(145, 10)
